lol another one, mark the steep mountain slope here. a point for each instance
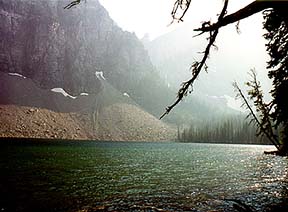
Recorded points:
(107, 115)
(77, 62)
(63, 48)
(174, 52)
(82, 50)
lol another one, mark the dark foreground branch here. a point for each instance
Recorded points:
(253, 8)
(250, 9)
(197, 66)
(72, 4)
(180, 4)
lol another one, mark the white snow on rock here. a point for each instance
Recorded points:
(233, 103)
(63, 92)
(84, 94)
(17, 74)
(126, 94)
(99, 75)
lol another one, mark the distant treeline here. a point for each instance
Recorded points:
(228, 130)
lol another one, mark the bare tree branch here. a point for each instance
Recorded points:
(196, 67)
(223, 20)
(250, 9)
(269, 134)
(72, 4)
(183, 5)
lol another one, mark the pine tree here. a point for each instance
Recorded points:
(276, 24)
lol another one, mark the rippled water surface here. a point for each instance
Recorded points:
(121, 176)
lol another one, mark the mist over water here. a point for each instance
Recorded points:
(70, 176)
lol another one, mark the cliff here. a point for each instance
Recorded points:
(104, 73)
(63, 48)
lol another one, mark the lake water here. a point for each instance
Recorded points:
(122, 176)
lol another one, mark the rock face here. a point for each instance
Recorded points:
(63, 48)
(184, 49)
(29, 111)
(80, 50)
(17, 90)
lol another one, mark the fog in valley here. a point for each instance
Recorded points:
(97, 62)
(173, 48)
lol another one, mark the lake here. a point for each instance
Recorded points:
(130, 176)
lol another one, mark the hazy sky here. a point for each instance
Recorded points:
(153, 16)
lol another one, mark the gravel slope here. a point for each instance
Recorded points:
(129, 122)
(117, 122)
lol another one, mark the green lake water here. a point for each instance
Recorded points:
(130, 176)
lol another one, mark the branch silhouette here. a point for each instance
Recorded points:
(213, 29)
(196, 67)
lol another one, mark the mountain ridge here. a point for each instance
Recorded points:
(47, 50)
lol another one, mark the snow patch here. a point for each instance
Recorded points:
(84, 94)
(63, 92)
(17, 74)
(233, 103)
(126, 94)
(216, 97)
(100, 75)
